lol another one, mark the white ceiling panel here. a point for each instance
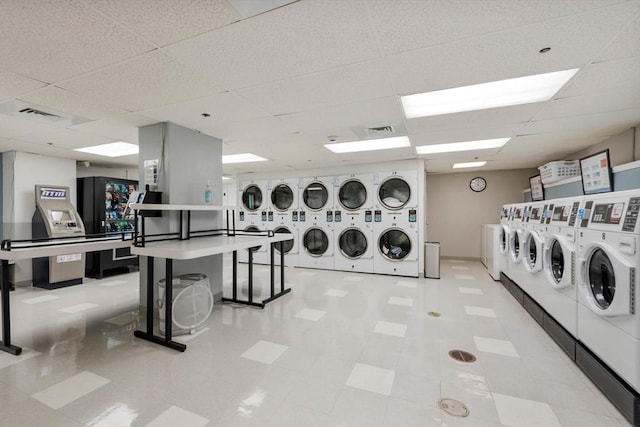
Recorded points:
(249, 8)
(366, 80)
(55, 40)
(70, 103)
(462, 134)
(413, 24)
(626, 44)
(167, 21)
(223, 108)
(145, 82)
(300, 38)
(121, 127)
(609, 123)
(375, 112)
(13, 85)
(604, 76)
(574, 41)
(256, 128)
(625, 98)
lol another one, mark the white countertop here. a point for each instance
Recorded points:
(164, 207)
(198, 247)
(18, 252)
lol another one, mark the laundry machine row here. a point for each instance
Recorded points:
(355, 222)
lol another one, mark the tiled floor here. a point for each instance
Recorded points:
(342, 349)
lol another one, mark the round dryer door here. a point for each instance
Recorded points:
(252, 197)
(315, 241)
(281, 197)
(352, 194)
(353, 243)
(601, 279)
(504, 240)
(253, 228)
(287, 245)
(556, 261)
(394, 244)
(515, 244)
(315, 196)
(394, 193)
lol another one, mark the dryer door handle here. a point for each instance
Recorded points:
(583, 267)
(628, 245)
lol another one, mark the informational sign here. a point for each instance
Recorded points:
(537, 190)
(151, 172)
(596, 173)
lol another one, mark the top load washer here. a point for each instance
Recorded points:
(609, 298)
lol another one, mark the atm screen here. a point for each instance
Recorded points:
(60, 216)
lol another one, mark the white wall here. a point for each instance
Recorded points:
(622, 148)
(21, 172)
(455, 214)
(111, 172)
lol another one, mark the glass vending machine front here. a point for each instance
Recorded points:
(117, 219)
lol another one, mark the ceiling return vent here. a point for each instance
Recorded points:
(25, 110)
(381, 131)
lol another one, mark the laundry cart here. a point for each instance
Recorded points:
(192, 303)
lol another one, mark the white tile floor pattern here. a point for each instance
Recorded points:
(372, 357)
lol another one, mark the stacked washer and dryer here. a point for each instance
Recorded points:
(353, 223)
(316, 223)
(395, 223)
(283, 211)
(252, 217)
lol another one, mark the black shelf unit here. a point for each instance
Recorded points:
(101, 204)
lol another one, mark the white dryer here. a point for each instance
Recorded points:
(397, 245)
(283, 198)
(609, 298)
(355, 244)
(396, 190)
(558, 297)
(253, 204)
(354, 193)
(289, 247)
(315, 217)
(260, 253)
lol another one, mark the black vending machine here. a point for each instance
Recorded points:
(102, 203)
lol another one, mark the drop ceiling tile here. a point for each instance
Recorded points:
(223, 108)
(604, 76)
(121, 127)
(167, 21)
(294, 40)
(626, 44)
(574, 40)
(254, 128)
(249, 8)
(461, 134)
(413, 24)
(69, 103)
(609, 123)
(13, 85)
(51, 41)
(625, 98)
(142, 83)
(352, 83)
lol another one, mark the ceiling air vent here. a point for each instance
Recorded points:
(381, 131)
(38, 113)
(27, 111)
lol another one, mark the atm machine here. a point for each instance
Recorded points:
(55, 216)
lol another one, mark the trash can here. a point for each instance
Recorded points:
(192, 303)
(432, 260)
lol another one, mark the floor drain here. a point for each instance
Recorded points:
(433, 314)
(454, 407)
(462, 356)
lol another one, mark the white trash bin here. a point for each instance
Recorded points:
(192, 303)
(432, 260)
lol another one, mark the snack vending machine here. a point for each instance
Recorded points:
(102, 204)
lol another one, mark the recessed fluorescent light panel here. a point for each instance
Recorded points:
(468, 165)
(503, 93)
(113, 149)
(462, 146)
(369, 145)
(242, 158)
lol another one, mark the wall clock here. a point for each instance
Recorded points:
(478, 184)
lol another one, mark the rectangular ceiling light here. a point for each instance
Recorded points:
(502, 93)
(462, 146)
(242, 158)
(113, 149)
(369, 145)
(468, 165)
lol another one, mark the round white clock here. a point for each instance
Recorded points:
(478, 184)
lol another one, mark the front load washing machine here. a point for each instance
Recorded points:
(506, 215)
(533, 250)
(608, 263)
(397, 245)
(559, 297)
(315, 219)
(516, 239)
